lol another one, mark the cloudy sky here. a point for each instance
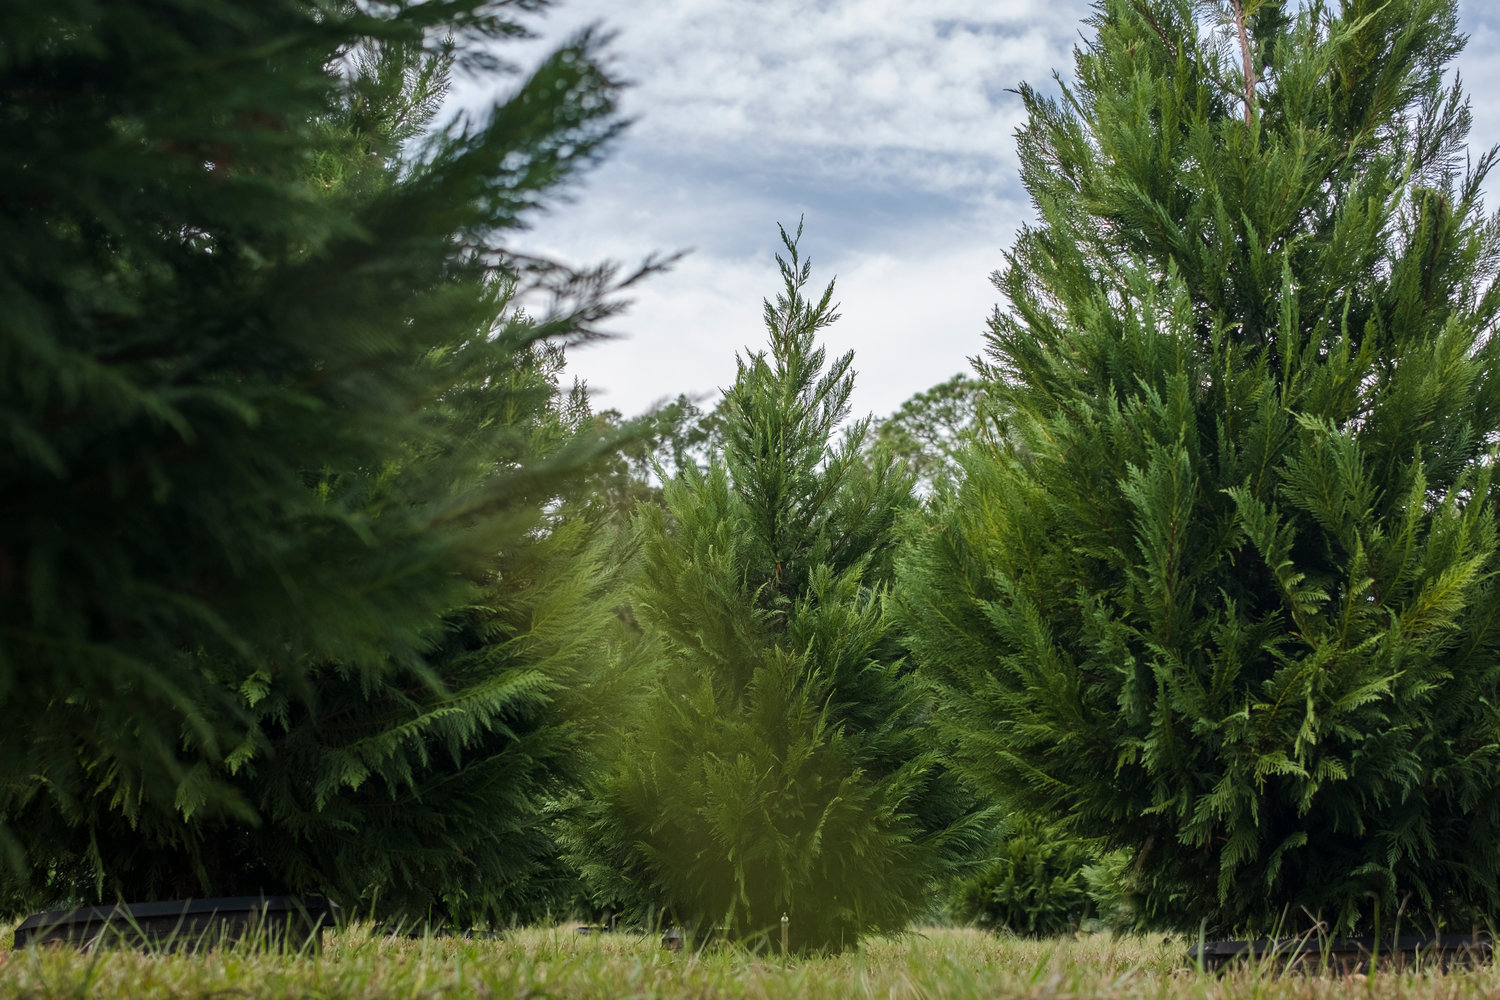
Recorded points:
(886, 123)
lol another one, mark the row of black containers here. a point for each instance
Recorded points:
(293, 923)
(1344, 956)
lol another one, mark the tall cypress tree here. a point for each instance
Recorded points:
(776, 767)
(244, 478)
(1225, 596)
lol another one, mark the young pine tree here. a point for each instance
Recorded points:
(776, 767)
(1226, 596)
(238, 490)
(1037, 881)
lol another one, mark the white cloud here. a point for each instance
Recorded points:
(680, 335)
(862, 88)
(913, 323)
(913, 315)
(1481, 72)
(886, 122)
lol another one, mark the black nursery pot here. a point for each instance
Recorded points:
(289, 922)
(1344, 955)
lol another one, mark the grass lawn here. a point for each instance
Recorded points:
(556, 963)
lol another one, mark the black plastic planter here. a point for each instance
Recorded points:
(290, 922)
(1344, 955)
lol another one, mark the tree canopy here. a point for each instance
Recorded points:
(775, 765)
(1222, 594)
(252, 298)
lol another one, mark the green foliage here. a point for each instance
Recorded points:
(272, 412)
(1223, 593)
(931, 429)
(421, 794)
(650, 449)
(1035, 883)
(775, 765)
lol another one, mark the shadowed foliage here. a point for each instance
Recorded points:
(286, 596)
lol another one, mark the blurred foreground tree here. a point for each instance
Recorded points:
(1224, 594)
(272, 418)
(777, 767)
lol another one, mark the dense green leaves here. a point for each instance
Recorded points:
(1223, 593)
(1039, 881)
(775, 765)
(299, 588)
(272, 412)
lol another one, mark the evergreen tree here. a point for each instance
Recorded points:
(1224, 595)
(244, 342)
(1036, 882)
(931, 429)
(776, 767)
(649, 449)
(422, 793)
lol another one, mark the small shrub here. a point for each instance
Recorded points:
(1035, 885)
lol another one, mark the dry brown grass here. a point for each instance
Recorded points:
(556, 963)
